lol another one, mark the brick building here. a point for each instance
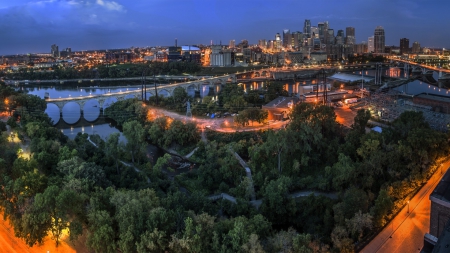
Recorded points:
(437, 102)
(440, 206)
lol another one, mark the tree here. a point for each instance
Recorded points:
(253, 245)
(358, 224)
(134, 132)
(112, 149)
(101, 234)
(179, 95)
(277, 205)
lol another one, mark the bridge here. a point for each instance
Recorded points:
(169, 88)
(424, 67)
(282, 73)
(81, 80)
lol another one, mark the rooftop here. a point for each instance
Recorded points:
(442, 190)
(349, 77)
(434, 97)
(282, 102)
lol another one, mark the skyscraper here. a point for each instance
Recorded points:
(55, 50)
(330, 37)
(297, 39)
(314, 32)
(286, 38)
(416, 47)
(321, 27)
(350, 36)
(404, 46)
(262, 44)
(370, 45)
(277, 43)
(340, 37)
(379, 40)
(307, 29)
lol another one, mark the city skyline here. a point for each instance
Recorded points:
(31, 27)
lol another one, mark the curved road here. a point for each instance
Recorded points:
(406, 231)
(217, 124)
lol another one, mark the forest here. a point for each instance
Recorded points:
(122, 201)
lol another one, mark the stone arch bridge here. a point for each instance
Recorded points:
(169, 88)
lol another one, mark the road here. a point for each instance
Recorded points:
(225, 125)
(405, 232)
(9, 243)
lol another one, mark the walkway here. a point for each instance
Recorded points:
(406, 231)
(257, 203)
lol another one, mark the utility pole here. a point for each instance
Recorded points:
(188, 109)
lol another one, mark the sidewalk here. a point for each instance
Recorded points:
(406, 231)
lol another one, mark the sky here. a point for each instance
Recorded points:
(32, 26)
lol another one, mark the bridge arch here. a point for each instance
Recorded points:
(71, 112)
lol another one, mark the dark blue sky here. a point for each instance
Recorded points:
(31, 26)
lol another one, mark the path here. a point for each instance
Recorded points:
(405, 233)
(190, 154)
(257, 203)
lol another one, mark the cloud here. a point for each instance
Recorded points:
(110, 5)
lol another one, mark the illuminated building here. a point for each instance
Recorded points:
(379, 40)
(232, 44)
(350, 36)
(370, 45)
(286, 38)
(307, 28)
(277, 43)
(416, 47)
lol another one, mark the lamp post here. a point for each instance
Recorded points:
(408, 206)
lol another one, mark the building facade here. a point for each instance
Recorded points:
(350, 38)
(404, 46)
(379, 40)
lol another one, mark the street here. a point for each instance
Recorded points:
(405, 232)
(11, 244)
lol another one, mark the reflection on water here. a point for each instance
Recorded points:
(104, 130)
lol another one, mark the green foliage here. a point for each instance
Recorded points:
(251, 114)
(125, 110)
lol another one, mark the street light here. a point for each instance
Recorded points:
(408, 206)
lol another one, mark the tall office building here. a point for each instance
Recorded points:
(330, 37)
(297, 39)
(277, 43)
(350, 36)
(321, 26)
(340, 37)
(379, 40)
(307, 29)
(314, 32)
(55, 50)
(404, 46)
(232, 44)
(370, 45)
(262, 43)
(416, 47)
(286, 38)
